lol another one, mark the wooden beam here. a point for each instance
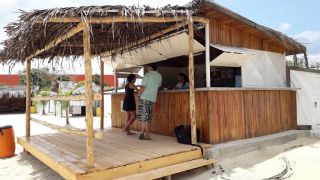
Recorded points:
(96, 97)
(58, 40)
(170, 170)
(306, 61)
(142, 166)
(154, 36)
(28, 96)
(76, 131)
(119, 19)
(115, 81)
(295, 60)
(89, 96)
(191, 84)
(102, 95)
(207, 33)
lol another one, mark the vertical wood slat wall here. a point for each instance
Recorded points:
(228, 35)
(221, 115)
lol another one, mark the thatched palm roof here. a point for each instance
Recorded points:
(33, 30)
(36, 29)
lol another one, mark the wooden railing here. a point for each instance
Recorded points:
(96, 97)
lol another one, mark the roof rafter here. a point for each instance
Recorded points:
(58, 40)
(119, 19)
(156, 35)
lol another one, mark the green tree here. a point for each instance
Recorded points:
(300, 62)
(39, 77)
(65, 105)
(315, 65)
(44, 92)
(96, 80)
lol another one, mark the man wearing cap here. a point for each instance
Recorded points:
(151, 82)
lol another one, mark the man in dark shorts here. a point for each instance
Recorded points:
(148, 95)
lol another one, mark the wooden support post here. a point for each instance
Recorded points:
(115, 81)
(102, 95)
(28, 96)
(295, 60)
(306, 61)
(89, 95)
(191, 84)
(208, 78)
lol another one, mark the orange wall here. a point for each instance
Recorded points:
(109, 79)
(13, 80)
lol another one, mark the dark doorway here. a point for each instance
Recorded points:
(226, 76)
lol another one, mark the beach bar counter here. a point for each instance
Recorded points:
(238, 72)
(223, 114)
(237, 83)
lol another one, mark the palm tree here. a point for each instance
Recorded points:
(44, 103)
(65, 105)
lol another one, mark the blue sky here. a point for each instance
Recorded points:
(302, 15)
(296, 18)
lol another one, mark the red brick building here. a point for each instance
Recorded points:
(109, 79)
(10, 80)
(13, 80)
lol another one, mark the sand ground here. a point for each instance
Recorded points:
(299, 159)
(296, 160)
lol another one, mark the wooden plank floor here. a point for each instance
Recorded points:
(115, 155)
(169, 170)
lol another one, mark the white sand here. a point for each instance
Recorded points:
(302, 157)
(24, 166)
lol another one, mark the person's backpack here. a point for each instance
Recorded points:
(183, 134)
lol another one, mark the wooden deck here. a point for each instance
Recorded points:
(116, 155)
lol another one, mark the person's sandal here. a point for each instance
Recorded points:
(141, 136)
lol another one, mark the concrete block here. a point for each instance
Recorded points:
(316, 127)
(234, 148)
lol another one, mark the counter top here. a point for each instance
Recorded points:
(227, 89)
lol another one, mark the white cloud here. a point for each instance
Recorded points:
(310, 39)
(285, 27)
(314, 58)
(308, 36)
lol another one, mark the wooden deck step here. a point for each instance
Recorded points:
(170, 170)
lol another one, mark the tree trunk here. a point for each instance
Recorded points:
(43, 109)
(55, 108)
(67, 116)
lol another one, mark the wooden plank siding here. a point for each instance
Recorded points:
(222, 116)
(230, 35)
(226, 112)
